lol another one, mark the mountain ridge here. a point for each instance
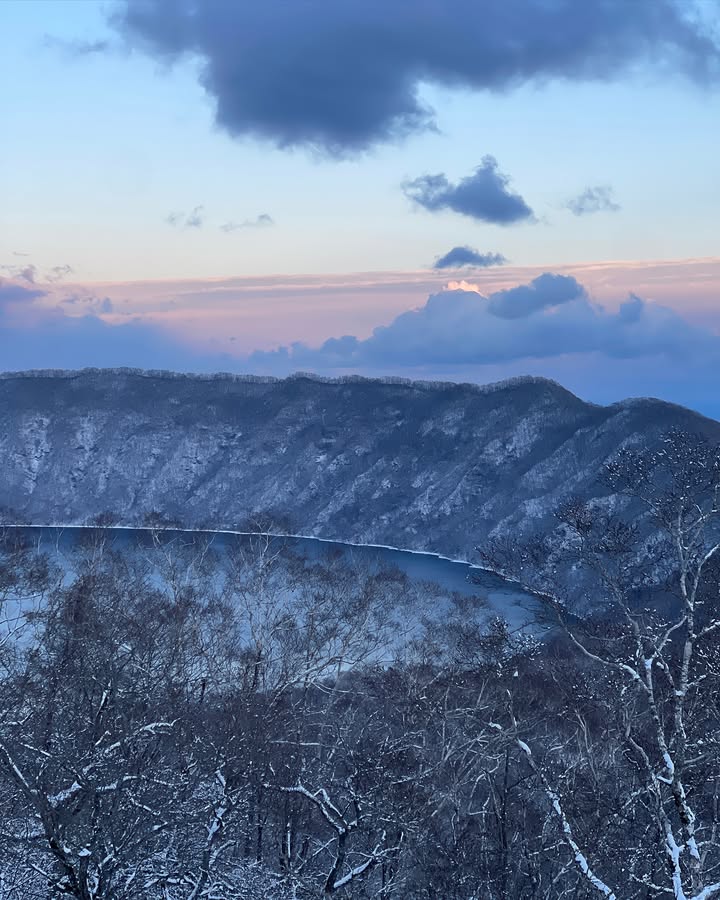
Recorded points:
(434, 466)
(248, 378)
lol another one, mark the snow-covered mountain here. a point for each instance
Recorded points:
(420, 465)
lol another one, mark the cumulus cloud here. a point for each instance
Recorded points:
(593, 200)
(459, 257)
(543, 292)
(484, 196)
(261, 221)
(550, 317)
(548, 327)
(344, 76)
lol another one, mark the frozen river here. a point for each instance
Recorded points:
(433, 579)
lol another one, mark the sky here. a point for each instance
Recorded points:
(442, 189)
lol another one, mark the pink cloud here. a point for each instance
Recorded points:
(243, 314)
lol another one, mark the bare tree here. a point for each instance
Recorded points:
(655, 652)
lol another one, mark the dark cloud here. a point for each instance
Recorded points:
(593, 200)
(261, 221)
(484, 196)
(543, 292)
(343, 76)
(466, 256)
(547, 319)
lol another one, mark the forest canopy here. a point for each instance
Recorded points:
(168, 730)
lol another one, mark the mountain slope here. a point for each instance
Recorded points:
(418, 465)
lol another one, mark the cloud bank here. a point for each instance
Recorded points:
(550, 325)
(343, 76)
(484, 196)
(550, 317)
(72, 333)
(12, 293)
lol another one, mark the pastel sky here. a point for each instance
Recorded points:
(456, 189)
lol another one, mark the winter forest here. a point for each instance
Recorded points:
(170, 730)
(359, 450)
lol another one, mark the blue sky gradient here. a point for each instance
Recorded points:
(134, 157)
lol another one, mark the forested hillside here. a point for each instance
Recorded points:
(429, 466)
(197, 735)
